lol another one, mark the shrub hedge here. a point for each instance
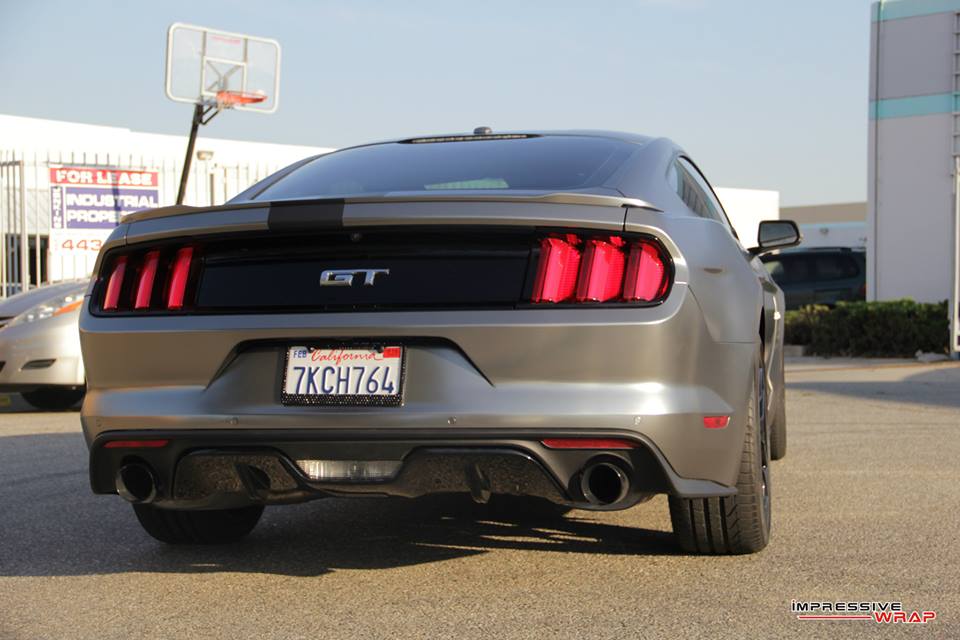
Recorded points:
(897, 328)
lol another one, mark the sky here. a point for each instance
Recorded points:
(764, 94)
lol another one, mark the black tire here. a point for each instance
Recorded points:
(737, 524)
(54, 398)
(197, 527)
(778, 429)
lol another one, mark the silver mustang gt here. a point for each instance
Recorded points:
(568, 316)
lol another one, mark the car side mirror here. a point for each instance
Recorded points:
(776, 234)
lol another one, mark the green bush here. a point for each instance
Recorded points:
(798, 325)
(897, 328)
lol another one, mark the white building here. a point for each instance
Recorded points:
(914, 146)
(746, 208)
(31, 148)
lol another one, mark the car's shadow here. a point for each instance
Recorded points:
(930, 387)
(53, 526)
(15, 403)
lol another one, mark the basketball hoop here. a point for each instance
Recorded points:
(217, 70)
(231, 99)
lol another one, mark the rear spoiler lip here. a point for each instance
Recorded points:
(559, 197)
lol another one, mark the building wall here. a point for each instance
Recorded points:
(826, 213)
(910, 212)
(45, 136)
(234, 163)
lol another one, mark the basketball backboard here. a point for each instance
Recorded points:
(223, 69)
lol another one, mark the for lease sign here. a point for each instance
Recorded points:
(95, 198)
(86, 203)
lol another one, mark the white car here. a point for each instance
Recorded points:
(40, 346)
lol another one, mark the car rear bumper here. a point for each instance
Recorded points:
(647, 374)
(223, 469)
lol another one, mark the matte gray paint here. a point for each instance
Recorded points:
(716, 269)
(653, 371)
(504, 375)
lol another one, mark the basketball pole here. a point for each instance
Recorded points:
(202, 114)
(187, 161)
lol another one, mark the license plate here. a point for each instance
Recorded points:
(347, 376)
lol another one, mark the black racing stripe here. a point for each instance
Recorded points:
(305, 216)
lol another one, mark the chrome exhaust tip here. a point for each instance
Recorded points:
(604, 483)
(136, 483)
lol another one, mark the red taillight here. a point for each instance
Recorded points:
(588, 443)
(601, 277)
(646, 277)
(716, 422)
(111, 298)
(179, 275)
(148, 273)
(136, 444)
(136, 277)
(611, 269)
(557, 271)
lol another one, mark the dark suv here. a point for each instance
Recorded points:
(819, 276)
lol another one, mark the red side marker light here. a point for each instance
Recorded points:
(588, 443)
(716, 422)
(136, 444)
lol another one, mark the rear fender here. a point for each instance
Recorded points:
(715, 267)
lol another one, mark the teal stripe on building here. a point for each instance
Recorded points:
(896, 9)
(914, 106)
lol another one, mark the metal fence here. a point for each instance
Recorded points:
(25, 203)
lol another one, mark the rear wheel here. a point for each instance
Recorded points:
(740, 523)
(778, 428)
(54, 398)
(197, 527)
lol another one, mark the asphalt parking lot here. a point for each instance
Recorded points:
(865, 509)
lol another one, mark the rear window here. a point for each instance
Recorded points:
(534, 163)
(836, 267)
